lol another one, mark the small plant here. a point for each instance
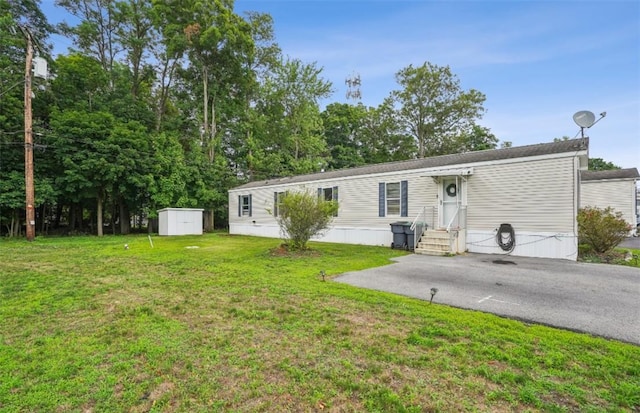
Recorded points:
(302, 215)
(601, 230)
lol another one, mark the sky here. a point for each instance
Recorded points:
(537, 62)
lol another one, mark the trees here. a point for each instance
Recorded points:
(599, 164)
(477, 139)
(302, 215)
(357, 135)
(87, 157)
(287, 131)
(434, 109)
(171, 103)
(343, 124)
(17, 18)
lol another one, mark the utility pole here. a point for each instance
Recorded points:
(28, 141)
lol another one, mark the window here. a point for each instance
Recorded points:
(277, 201)
(244, 205)
(329, 194)
(393, 199)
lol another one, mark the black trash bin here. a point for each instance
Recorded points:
(399, 230)
(410, 236)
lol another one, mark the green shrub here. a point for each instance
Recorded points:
(601, 230)
(302, 215)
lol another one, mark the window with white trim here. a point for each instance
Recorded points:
(277, 202)
(329, 194)
(244, 205)
(393, 199)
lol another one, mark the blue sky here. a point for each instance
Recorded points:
(537, 62)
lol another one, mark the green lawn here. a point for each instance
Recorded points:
(88, 326)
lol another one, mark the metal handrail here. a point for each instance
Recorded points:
(417, 226)
(415, 220)
(453, 218)
(421, 223)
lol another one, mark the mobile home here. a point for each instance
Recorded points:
(520, 200)
(614, 188)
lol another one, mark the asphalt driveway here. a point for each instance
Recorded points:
(599, 299)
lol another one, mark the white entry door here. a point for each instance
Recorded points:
(449, 205)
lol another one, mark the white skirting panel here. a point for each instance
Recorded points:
(359, 236)
(268, 231)
(340, 235)
(528, 244)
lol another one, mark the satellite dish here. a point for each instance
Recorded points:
(584, 118)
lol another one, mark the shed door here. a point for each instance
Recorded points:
(450, 196)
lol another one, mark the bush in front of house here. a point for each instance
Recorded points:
(600, 230)
(302, 215)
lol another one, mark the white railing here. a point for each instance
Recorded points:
(422, 221)
(453, 218)
(456, 227)
(459, 219)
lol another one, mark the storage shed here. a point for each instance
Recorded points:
(180, 221)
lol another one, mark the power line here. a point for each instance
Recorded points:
(10, 88)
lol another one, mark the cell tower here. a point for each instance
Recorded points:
(353, 87)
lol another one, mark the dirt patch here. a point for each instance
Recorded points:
(159, 391)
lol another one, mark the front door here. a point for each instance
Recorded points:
(450, 196)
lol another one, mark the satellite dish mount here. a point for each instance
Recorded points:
(586, 119)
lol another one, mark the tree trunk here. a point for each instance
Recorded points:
(114, 217)
(208, 220)
(14, 219)
(58, 217)
(151, 222)
(125, 218)
(43, 218)
(165, 85)
(212, 132)
(205, 105)
(71, 220)
(99, 215)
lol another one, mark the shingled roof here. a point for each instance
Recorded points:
(572, 145)
(629, 173)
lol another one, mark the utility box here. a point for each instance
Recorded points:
(180, 221)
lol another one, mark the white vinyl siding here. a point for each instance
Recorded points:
(538, 196)
(358, 199)
(617, 194)
(535, 195)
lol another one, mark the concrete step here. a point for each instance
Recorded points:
(434, 245)
(429, 251)
(434, 242)
(435, 234)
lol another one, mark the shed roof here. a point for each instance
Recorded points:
(629, 173)
(572, 145)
